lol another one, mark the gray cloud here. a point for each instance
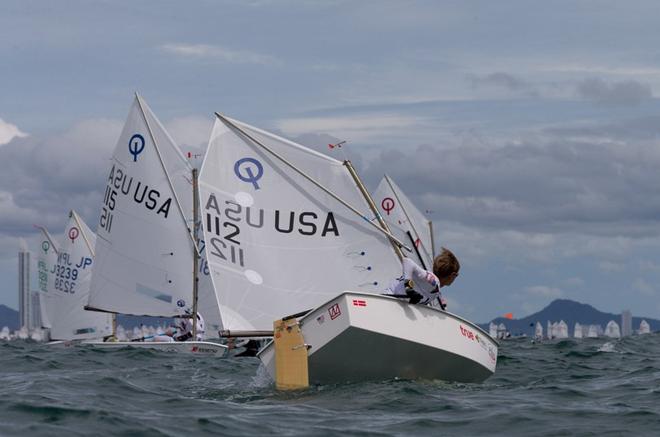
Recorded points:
(8, 132)
(624, 93)
(504, 80)
(633, 129)
(549, 185)
(222, 54)
(544, 290)
(42, 178)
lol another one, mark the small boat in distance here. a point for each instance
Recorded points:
(577, 331)
(538, 331)
(612, 330)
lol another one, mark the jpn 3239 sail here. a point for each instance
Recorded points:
(65, 270)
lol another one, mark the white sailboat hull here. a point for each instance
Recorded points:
(361, 336)
(185, 347)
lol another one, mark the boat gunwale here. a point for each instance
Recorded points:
(387, 297)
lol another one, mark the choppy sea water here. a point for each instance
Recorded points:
(570, 387)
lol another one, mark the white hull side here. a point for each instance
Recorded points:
(375, 337)
(186, 347)
(63, 343)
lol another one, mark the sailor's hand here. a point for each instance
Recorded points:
(443, 303)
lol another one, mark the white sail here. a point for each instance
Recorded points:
(207, 300)
(644, 327)
(46, 261)
(561, 330)
(502, 331)
(577, 331)
(492, 330)
(144, 249)
(71, 280)
(538, 330)
(277, 244)
(612, 329)
(402, 218)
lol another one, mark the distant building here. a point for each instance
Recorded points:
(626, 323)
(24, 294)
(35, 309)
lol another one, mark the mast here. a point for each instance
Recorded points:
(419, 255)
(432, 239)
(410, 222)
(373, 207)
(195, 252)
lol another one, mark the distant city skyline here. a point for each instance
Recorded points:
(572, 313)
(535, 149)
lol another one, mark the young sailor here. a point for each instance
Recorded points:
(182, 330)
(421, 286)
(185, 328)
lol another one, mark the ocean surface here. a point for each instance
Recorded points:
(568, 387)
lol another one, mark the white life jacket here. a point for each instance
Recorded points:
(185, 328)
(416, 278)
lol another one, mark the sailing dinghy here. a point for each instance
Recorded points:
(286, 232)
(147, 259)
(64, 277)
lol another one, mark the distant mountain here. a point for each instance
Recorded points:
(570, 312)
(8, 317)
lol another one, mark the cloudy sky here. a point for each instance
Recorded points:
(530, 130)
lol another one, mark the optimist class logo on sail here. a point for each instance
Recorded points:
(387, 204)
(249, 174)
(136, 146)
(73, 234)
